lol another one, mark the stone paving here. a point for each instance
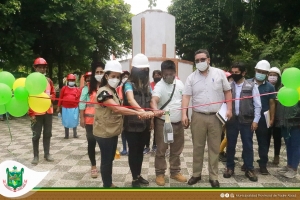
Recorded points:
(71, 167)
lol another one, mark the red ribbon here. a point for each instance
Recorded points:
(199, 105)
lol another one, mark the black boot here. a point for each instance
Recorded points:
(35, 144)
(46, 144)
(66, 133)
(75, 133)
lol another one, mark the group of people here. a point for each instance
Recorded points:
(114, 102)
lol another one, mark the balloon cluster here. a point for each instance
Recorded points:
(289, 95)
(17, 96)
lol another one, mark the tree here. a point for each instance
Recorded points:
(70, 33)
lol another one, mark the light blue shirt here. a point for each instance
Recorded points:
(256, 101)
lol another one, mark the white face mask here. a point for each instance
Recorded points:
(98, 77)
(124, 79)
(202, 66)
(113, 82)
(71, 83)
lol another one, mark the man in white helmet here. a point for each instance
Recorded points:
(262, 69)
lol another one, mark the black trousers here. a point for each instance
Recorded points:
(108, 148)
(42, 123)
(276, 133)
(136, 143)
(91, 143)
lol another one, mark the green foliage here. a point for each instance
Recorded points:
(152, 3)
(69, 34)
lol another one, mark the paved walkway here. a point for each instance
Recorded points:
(71, 167)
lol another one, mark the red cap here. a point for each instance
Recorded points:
(71, 77)
(40, 61)
(88, 74)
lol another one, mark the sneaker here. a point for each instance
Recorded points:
(154, 147)
(160, 180)
(178, 177)
(94, 173)
(146, 150)
(123, 153)
(135, 183)
(276, 160)
(251, 175)
(283, 170)
(243, 168)
(228, 173)
(222, 157)
(143, 181)
(263, 170)
(290, 173)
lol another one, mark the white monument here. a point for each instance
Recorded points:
(153, 34)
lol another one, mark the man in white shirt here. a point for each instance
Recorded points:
(205, 86)
(161, 94)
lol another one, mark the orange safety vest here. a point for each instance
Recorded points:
(89, 111)
(48, 92)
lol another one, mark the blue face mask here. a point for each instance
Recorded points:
(260, 77)
(71, 83)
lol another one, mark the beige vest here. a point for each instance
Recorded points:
(107, 124)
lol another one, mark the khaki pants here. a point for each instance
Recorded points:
(202, 127)
(175, 148)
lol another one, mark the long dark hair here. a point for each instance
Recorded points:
(93, 81)
(278, 84)
(140, 81)
(104, 81)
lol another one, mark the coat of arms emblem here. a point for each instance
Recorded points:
(14, 180)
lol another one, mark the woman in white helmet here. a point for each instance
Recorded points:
(274, 77)
(137, 94)
(108, 121)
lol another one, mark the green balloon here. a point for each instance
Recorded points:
(288, 96)
(2, 109)
(21, 94)
(17, 108)
(5, 94)
(36, 83)
(7, 78)
(291, 78)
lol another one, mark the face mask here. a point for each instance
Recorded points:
(71, 83)
(272, 79)
(202, 66)
(156, 80)
(124, 80)
(113, 82)
(169, 79)
(236, 77)
(98, 77)
(260, 77)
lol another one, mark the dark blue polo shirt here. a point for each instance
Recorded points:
(264, 88)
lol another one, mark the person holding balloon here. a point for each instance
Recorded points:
(87, 110)
(267, 97)
(289, 105)
(69, 100)
(274, 77)
(42, 121)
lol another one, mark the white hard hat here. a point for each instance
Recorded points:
(140, 61)
(113, 66)
(263, 65)
(276, 70)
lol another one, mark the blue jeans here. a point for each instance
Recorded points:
(232, 132)
(108, 148)
(263, 142)
(292, 146)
